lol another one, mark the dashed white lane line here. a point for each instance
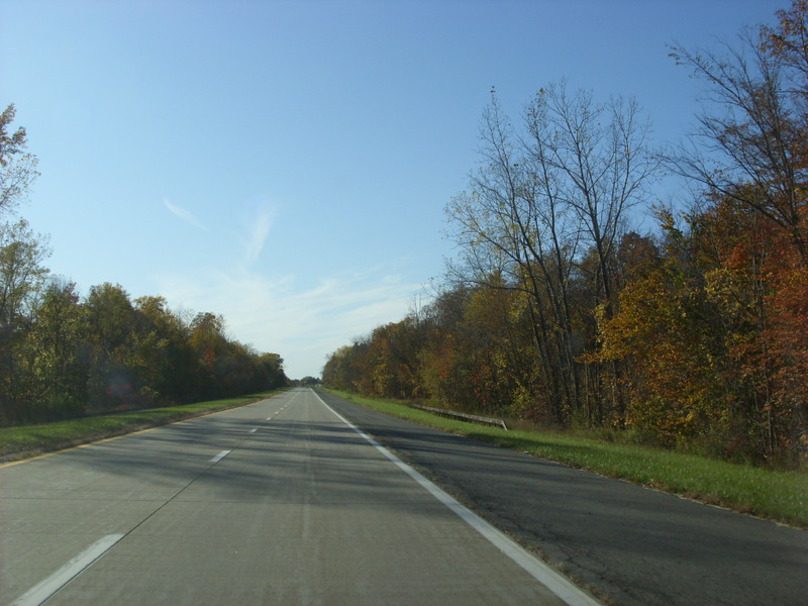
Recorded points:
(555, 582)
(220, 456)
(38, 594)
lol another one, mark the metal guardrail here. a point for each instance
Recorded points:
(463, 415)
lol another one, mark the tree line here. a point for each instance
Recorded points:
(694, 336)
(63, 355)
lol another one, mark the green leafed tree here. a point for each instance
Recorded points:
(17, 167)
(22, 276)
(56, 354)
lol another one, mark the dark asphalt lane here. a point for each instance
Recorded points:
(629, 545)
(278, 502)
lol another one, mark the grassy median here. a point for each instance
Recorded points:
(28, 440)
(779, 495)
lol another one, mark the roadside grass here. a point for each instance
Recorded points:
(774, 494)
(22, 441)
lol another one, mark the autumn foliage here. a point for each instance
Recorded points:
(694, 337)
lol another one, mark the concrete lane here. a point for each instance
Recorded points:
(299, 511)
(53, 507)
(631, 545)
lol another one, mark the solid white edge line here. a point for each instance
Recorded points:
(46, 588)
(554, 581)
(220, 456)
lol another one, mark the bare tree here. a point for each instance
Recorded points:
(750, 144)
(495, 223)
(595, 162)
(599, 159)
(538, 199)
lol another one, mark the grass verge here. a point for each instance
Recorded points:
(25, 441)
(778, 495)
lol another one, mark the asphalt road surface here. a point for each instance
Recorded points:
(279, 502)
(627, 544)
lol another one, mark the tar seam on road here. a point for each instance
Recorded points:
(46, 588)
(555, 582)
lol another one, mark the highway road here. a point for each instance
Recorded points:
(278, 502)
(630, 545)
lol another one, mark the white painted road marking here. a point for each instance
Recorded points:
(220, 456)
(545, 575)
(45, 589)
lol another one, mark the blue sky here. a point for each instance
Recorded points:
(286, 164)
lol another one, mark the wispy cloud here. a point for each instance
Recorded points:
(184, 215)
(257, 235)
(303, 324)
